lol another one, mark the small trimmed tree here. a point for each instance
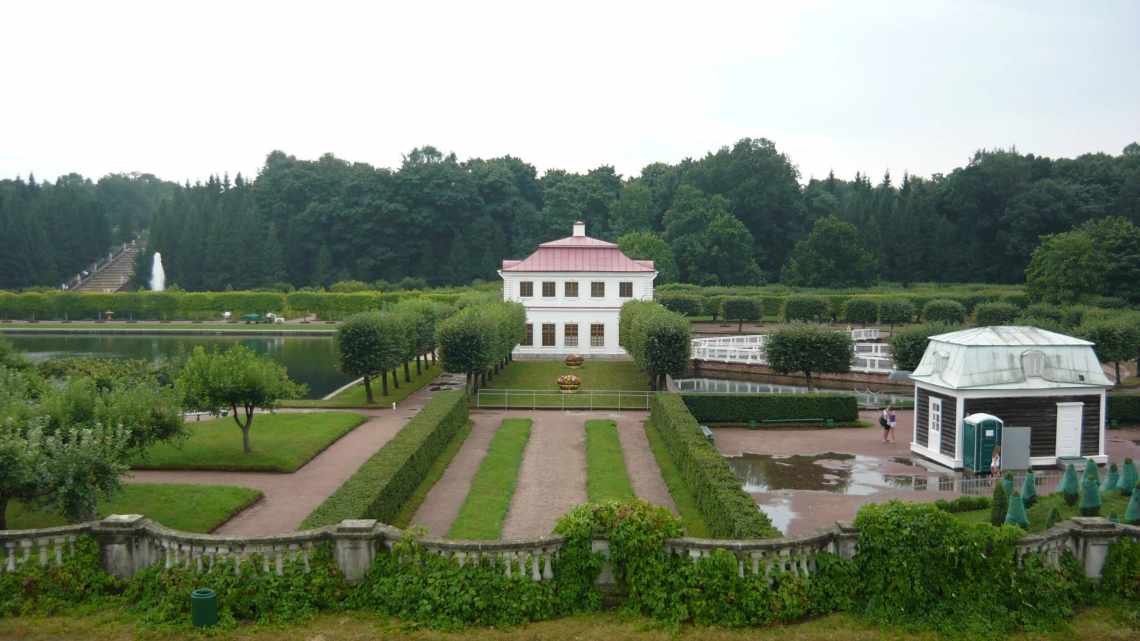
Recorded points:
(1128, 477)
(1091, 473)
(656, 338)
(740, 309)
(360, 349)
(1007, 482)
(999, 505)
(807, 309)
(809, 348)
(1115, 340)
(1015, 514)
(995, 314)
(1029, 489)
(712, 306)
(943, 310)
(908, 346)
(1054, 517)
(1070, 487)
(1090, 498)
(1132, 512)
(861, 310)
(684, 304)
(1111, 479)
(236, 378)
(896, 311)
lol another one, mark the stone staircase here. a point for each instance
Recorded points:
(113, 275)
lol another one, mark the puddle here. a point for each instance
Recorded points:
(850, 474)
(902, 460)
(779, 512)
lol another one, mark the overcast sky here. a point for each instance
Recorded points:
(186, 89)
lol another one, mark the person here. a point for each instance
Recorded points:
(885, 423)
(995, 461)
(892, 420)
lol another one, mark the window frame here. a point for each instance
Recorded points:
(553, 288)
(595, 285)
(528, 336)
(526, 289)
(567, 339)
(597, 338)
(623, 287)
(553, 335)
(566, 289)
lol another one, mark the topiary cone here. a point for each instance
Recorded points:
(1111, 480)
(1029, 489)
(1090, 473)
(1128, 477)
(1069, 486)
(1054, 516)
(1090, 498)
(1007, 483)
(999, 505)
(1132, 512)
(1016, 515)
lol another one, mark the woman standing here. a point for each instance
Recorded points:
(892, 420)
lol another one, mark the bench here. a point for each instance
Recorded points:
(708, 434)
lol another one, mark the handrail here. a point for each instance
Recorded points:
(549, 399)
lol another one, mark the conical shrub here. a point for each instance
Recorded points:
(1111, 479)
(1000, 504)
(1069, 486)
(1016, 515)
(1007, 482)
(1128, 477)
(1029, 489)
(1090, 498)
(1054, 517)
(1132, 512)
(1090, 472)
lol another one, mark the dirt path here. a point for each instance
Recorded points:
(289, 498)
(443, 502)
(640, 463)
(553, 475)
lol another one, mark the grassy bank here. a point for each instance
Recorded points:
(691, 518)
(280, 442)
(190, 508)
(595, 375)
(485, 508)
(606, 476)
(356, 396)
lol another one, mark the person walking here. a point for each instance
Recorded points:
(885, 422)
(892, 420)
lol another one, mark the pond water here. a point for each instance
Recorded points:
(309, 359)
(852, 474)
(864, 396)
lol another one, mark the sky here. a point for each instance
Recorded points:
(188, 89)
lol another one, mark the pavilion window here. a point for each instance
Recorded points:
(598, 289)
(597, 335)
(570, 335)
(548, 334)
(570, 289)
(526, 289)
(625, 289)
(548, 289)
(528, 337)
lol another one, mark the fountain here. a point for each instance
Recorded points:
(157, 274)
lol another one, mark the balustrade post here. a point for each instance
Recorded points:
(606, 576)
(355, 542)
(124, 548)
(1092, 536)
(846, 539)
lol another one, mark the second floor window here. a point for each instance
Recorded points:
(526, 289)
(625, 290)
(571, 289)
(548, 289)
(598, 289)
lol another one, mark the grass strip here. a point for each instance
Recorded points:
(606, 476)
(691, 518)
(485, 508)
(280, 442)
(190, 508)
(595, 375)
(404, 518)
(356, 397)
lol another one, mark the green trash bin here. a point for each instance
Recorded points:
(203, 607)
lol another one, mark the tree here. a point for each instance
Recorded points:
(645, 245)
(833, 255)
(896, 311)
(479, 337)
(232, 379)
(360, 349)
(999, 505)
(1016, 515)
(740, 309)
(1064, 267)
(1090, 498)
(861, 310)
(1070, 487)
(1114, 340)
(941, 310)
(809, 348)
(995, 314)
(656, 338)
(1029, 489)
(909, 345)
(1117, 240)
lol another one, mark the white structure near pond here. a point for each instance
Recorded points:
(573, 289)
(1027, 377)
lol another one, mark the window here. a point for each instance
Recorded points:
(548, 334)
(571, 289)
(528, 338)
(625, 290)
(570, 335)
(598, 289)
(1033, 363)
(597, 335)
(526, 289)
(548, 289)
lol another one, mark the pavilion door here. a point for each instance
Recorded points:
(934, 425)
(1069, 416)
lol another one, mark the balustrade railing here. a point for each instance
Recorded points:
(867, 357)
(578, 400)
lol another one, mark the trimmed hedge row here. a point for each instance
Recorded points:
(742, 408)
(175, 305)
(1124, 408)
(386, 480)
(728, 511)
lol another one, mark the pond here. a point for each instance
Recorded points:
(309, 359)
(866, 398)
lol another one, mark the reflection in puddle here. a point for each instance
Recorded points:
(779, 512)
(851, 474)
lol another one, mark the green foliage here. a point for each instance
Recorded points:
(1111, 479)
(1050, 311)
(999, 504)
(1132, 512)
(864, 311)
(54, 589)
(988, 314)
(833, 254)
(683, 304)
(944, 311)
(1090, 497)
(1128, 477)
(657, 339)
(1091, 473)
(743, 408)
(728, 511)
(1120, 576)
(1015, 514)
(964, 504)
(481, 516)
(606, 476)
(809, 348)
(1054, 518)
(1115, 340)
(808, 309)
(908, 345)
(381, 485)
(1029, 489)
(741, 309)
(646, 245)
(1070, 487)
(896, 311)
(480, 336)
(1099, 257)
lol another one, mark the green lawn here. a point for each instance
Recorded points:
(356, 397)
(483, 511)
(1111, 503)
(281, 442)
(522, 376)
(606, 477)
(408, 510)
(191, 508)
(691, 518)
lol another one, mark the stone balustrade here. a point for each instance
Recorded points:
(130, 543)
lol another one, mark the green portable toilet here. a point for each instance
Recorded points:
(981, 433)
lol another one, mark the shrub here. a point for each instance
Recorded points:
(1073, 315)
(861, 310)
(346, 286)
(657, 339)
(908, 345)
(964, 504)
(1045, 310)
(1111, 479)
(811, 309)
(1016, 515)
(772, 306)
(1069, 487)
(1132, 512)
(385, 481)
(1090, 497)
(742, 408)
(1029, 489)
(1128, 477)
(50, 589)
(944, 311)
(1091, 473)
(712, 306)
(999, 505)
(728, 511)
(896, 311)
(994, 314)
(741, 309)
(684, 304)
(1124, 408)
(1054, 518)
(809, 348)
(1118, 579)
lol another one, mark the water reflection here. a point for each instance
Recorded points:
(851, 474)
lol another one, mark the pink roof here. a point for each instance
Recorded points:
(577, 254)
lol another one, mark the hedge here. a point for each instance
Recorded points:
(386, 480)
(861, 310)
(656, 338)
(684, 304)
(944, 311)
(812, 309)
(987, 314)
(742, 408)
(729, 512)
(1124, 408)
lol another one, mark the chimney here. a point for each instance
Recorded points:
(579, 228)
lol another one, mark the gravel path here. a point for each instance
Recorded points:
(553, 475)
(289, 498)
(640, 463)
(442, 504)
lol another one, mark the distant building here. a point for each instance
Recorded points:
(573, 289)
(1027, 377)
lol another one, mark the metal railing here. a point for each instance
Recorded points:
(867, 357)
(546, 399)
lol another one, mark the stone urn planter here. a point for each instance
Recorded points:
(569, 383)
(574, 360)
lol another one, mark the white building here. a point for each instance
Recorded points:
(573, 289)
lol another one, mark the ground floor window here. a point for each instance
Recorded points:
(548, 334)
(597, 335)
(528, 337)
(570, 335)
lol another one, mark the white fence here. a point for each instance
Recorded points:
(546, 399)
(868, 357)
